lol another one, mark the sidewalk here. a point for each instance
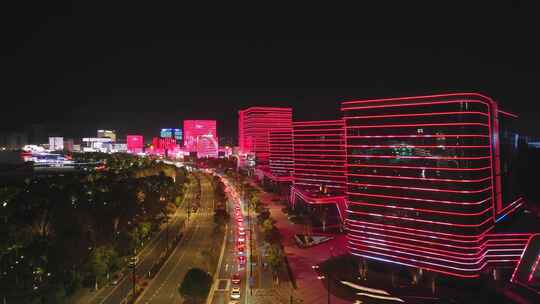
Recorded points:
(309, 288)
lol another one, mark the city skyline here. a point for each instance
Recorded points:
(153, 154)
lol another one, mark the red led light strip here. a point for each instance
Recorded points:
(417, 146)
(403, 241)
(415, 104)
(421, 209)
(418, 136)
(419, 125)
(419, 157)
(420, 199)
(421, 220)
(447, 95)
(512, 279)
(436, 256)
(507, 113)
(420, 189)
(415, 115)
(419, 167)
(431, 233)
(423, 178)
(533, 269)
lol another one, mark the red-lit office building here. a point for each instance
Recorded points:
(319, 163)
(280, 155)
(200, 136)
(425, 186)
(135, 143)
(163, 146)
(254, 125)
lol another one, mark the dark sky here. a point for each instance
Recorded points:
(137, 69)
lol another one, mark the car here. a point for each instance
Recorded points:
(116, 278)
(235, 293)
(242, 260)
(240, 249)
(241, 228)
(241, 240)
(235, 279)
(241, 233)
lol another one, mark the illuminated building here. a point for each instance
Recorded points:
(280, 157)
(319, 163)
(107, 134)
(424, 184)
(254, 125)
(135, 143)
(56, 143)
(200, 136)
(176, 133)
(14, 140)
(93, 144)
(163, 146)
(119, 147)
(527, 272)
(68, 145)
(225, 151)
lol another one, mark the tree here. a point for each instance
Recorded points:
(196, 285)
(274, 258)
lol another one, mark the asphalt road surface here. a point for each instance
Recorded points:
(164, 287)
(229, 264)
(114, 294)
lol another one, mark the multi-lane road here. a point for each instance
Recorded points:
(230, 266)
(147, 258)
(188, 254)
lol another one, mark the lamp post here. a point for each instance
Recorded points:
(326, 276)
(250, 251)
(133, 265)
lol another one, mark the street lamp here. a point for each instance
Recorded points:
(322, 277)
(133, 264)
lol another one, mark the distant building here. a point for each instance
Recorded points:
(56, 143)
(15, 140)
(119, 147)
(107, 134)
(99, 144)
(172, 133)
(37, 134)
(254, 125)
(68, 144)
(200, 136)
(163, 146)
(135, 143)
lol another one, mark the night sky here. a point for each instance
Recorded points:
(137, 69)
